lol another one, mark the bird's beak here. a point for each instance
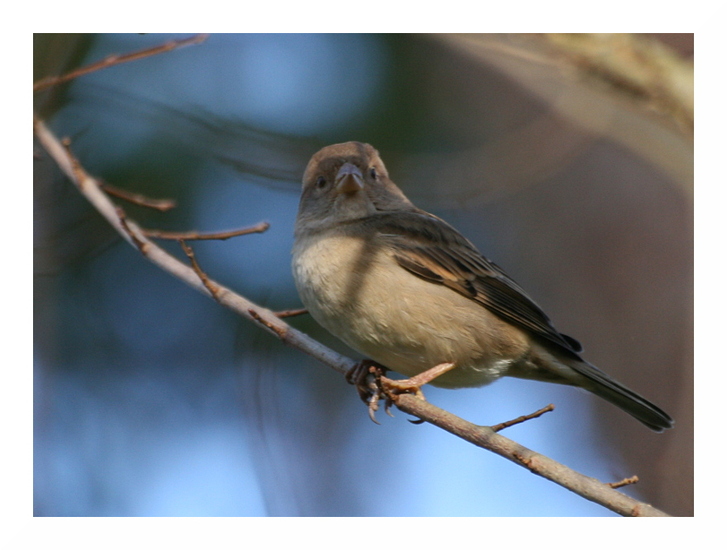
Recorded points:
(349, 179)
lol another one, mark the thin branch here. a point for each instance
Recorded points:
(135, 198)
(521, 419)
(212, 287)
(482, 436)
(290, 313)
(141, 245)
(626, 481)
(197, 236)
(116, 59)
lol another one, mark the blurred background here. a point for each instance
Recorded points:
(568, 160)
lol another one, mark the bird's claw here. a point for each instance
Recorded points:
(366, 376)
(372, 385)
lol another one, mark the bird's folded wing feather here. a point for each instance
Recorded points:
(432, 250)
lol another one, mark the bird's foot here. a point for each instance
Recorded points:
(372, 385)
(367, 376)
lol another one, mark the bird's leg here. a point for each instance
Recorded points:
(393, 388)
(414, 384)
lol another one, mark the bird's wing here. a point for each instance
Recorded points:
(431, 249)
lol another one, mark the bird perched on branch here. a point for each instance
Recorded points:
(407, 290)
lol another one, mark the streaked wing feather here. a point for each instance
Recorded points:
(434, 251)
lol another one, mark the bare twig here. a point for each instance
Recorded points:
(157, 204)
(197, 236)
(521, 419)
(627, 481)
(78, 171)
(116, 59)
(211, 286)
(280, 332)
(138, 243)
(482, 436)
(290, 313)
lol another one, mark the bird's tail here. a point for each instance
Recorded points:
(604, 386)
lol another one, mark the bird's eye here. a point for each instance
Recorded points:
(373, 173)
(321, 182)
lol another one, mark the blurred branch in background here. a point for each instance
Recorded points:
(112, 60)
(640, 69)
(629, 88)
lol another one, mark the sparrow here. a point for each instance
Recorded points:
(407, 290)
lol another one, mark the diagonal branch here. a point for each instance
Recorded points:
(482, 436)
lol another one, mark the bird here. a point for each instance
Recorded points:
(408, 291)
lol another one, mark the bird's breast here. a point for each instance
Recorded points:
(333, 277)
